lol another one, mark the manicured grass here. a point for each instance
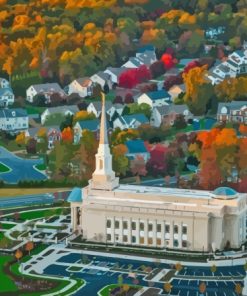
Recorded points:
(4, 168)
(40, 214)
(51, 227)
(1, 235)
(74, 268)
(7, 285)
(6, 225)
(41, 167)
(106, 290)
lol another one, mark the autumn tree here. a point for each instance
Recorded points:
(119, 159)
(83, 115)
(138, 166)
(67, 135)
(29, 247)
(202, 288)
(199, 92)
(21, 139)
(18, 255)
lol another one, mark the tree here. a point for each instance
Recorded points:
(83, 115)
(31, 146)
(21, 139)
(199, 92)
(213, 268)
(168, 61)
(18, 255)
(118, 100)
(202, 288)
(180, 122)
(178, 266)
(138, 166)
(129, 99)
(157, 69)
(238, 289)
(172, 80)
(167, 287)
(126, 288)
(67, 135)
(120, 161)
(29, 247)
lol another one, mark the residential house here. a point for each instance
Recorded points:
(46, 90)
(91, 125)
(115, 73)
(61, 110)
(236, 64)
(212, 33)
(81, 86)
(146, 55)
(158, 114)
(53, 135)
(130, 121)
(102, 79)
(95, 108)
(175, 110)
(155, 98)
(137, 148)
(4, 83)
(133, 63)
(7, 97)
(176, 90)
(13, 120)
(232, 112)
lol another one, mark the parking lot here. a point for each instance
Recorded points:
(101, 270)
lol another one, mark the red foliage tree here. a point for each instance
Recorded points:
(130, 78)
(173, 80)
(129, 99)
(67, 135)
(168, 61)
(191, 65)
(118, 100)
(157, 69)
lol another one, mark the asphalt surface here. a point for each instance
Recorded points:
(21, 169)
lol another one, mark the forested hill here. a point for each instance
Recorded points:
(64, 39)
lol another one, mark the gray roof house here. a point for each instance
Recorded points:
(95, 108)
(115, 73)
(130, 121)
(7, 97)
(61, 110)
(46, 89)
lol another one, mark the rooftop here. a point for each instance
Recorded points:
(136, 146)
(157, 95)
(13, 113)
(75, 195)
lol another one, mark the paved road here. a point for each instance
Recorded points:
(26, 200)
(21, 169)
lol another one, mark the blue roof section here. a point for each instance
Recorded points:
(5, 90)
(139, 117)
(158, 95)
(75, 195)
(136, 146)
(225, 191)
(92, 125)
(148, 47)
(13, 113)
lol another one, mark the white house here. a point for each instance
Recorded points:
(115, 73)
(62, 110)
(146, 55)
(102, 79)
(81, 86)
(155, 98)
(13, 120)
(235, 111)
(4, 83)
(46, 89)
(130, 121)
(132, 63)
(95, 108)
(158, 115)
(91, 125)
(7, 97)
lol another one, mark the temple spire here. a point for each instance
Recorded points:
(103, 123)
(104, 177)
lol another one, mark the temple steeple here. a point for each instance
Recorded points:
(104, 177)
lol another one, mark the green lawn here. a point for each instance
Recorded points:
(6, 225)
(40, 214)
(106, 290)
(7, 285)
(4, 168)
(41, 167)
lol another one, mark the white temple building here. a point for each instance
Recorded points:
(155, 217)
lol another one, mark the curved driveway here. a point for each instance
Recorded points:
(21, 169)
